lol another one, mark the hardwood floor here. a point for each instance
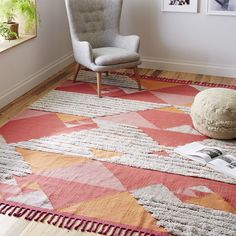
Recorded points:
(10, 226)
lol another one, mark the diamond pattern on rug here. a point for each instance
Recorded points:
(174, 99)
(172, 138)
(91, 173)
(164, 120)
(11, 163)
(130, 118)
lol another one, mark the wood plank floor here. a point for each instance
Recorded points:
(10, 226)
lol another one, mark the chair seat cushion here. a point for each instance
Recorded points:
(107, 56)
(214, 113)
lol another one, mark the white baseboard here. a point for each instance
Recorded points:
(189, 67)
(33, 80)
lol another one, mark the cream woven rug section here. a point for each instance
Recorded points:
(112, 79)
(91, 106)
(11, 163)
(179, 217)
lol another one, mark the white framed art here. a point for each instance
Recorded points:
(180, 6)
(221, 7)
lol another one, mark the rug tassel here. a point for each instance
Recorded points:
(13, 210)
(29, 214)
(127, 232)
(102, 229)
(114, 230)
(51, 219)
(134, 232)
(20, 212)
(83, 229)
(63, 221)
(108, 229)
(69, 225)
(96, 228)
(121, 230)
(6, 209)
(30, 218)
(91, 226)
(80, 224)
(67, 222)
(57, 220)
(39, 216)
(141, 233)
(45, 217)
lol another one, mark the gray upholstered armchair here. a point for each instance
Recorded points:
(97, 43)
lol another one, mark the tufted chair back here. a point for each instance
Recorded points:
(95, 21)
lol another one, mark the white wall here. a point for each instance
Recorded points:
(28, 64)
(187, 42)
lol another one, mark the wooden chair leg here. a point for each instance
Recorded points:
(137, 77)
(99, 84)
(77, 69)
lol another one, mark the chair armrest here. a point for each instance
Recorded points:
(130, 42)
(83, 53)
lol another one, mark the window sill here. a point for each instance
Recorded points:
(6, 44)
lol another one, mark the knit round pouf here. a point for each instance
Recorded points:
(214, 113)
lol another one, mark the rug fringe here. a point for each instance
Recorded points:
(169, 80)
(69, 223)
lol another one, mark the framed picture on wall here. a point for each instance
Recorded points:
(180, 6)
(221, 7)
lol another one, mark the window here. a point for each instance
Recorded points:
(18, 22)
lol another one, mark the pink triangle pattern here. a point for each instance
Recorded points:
(132, 118)
(91, 173)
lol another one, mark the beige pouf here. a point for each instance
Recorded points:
(214, 113)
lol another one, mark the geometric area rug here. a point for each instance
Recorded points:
(107, 165)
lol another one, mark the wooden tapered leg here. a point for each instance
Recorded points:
(77, 69)
(99, 84)
(137, 77)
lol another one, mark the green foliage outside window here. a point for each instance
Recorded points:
(10, 9)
